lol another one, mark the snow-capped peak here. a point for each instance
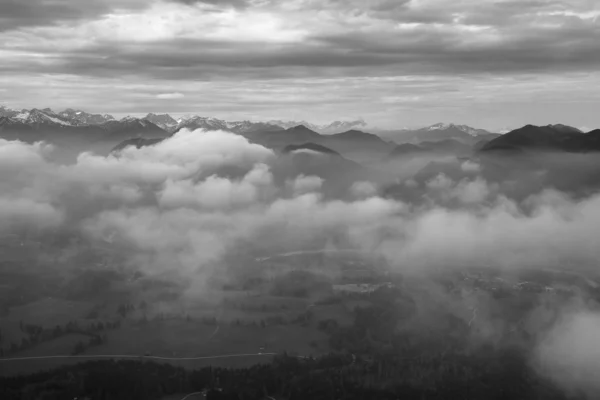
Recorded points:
(44, 116)
(463, 128)
(23, 115)
(439, 127)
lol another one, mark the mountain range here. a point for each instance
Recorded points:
(333, 127)
(170, 124)
(77, 129)
(82, 131)
(440, 131)
(546, 138)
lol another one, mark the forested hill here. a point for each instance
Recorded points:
(497, 375)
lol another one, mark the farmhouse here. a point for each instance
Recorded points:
(360, 288)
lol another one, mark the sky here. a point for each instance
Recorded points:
(490, 64)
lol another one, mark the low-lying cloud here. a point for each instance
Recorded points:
(218, 185)
(185, 203)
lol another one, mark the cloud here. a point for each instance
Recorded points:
(17, 13)
(220, 3)
(379, 39)
(306, 184)
(188, 202)
(18, 212)
(469, 166)
(363, 189)
(196, 195)
(216, 192)
(261, 59)
(170, 96)
(568, 353)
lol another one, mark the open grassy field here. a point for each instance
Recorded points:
(32, 366)
(167, 319)
(337, 312)
(180, 338)
(47, 313)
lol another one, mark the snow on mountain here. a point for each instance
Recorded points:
(79, 117)
(438, 127)
(165, 121)
(22, 116)
(8, 112)
(211, 123)
(333, 127)
(197, 122)
(45, 116)
(463, 128)
(129, 120)
(57, 120)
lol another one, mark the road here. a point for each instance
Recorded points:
(322, 251)
(137, 357)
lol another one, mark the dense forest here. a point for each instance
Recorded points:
(372, 360)
(501, 376)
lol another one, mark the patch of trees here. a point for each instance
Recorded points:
(94, 340)
(299, 284)
(125, 309)
(244, 306)
(90, 283)
(495, 376)
(36, 334)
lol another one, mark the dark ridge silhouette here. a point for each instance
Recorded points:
(354, 134)
(310, 146)
(545, 138)
(137, 142)
(442, 147)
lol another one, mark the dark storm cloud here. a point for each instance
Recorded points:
(23, 13)
(489, 37)
(481, 49)
(575, 46)
(219, 3)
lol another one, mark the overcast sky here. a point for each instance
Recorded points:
(487, 63)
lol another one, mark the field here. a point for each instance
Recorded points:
(47, 313)
(106, 311)
(181, 339)
(242, 325)
(194, 339)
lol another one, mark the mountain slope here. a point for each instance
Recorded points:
(8, 112)
(131, 126)
(279, 139)
(331, 128)
(442, 147)
(437, 132)
(310, 147)
(84, 118)
(312, 159)
(164, 121)
(71, 138)
(136, 142)
(211, 124)
(544, 138)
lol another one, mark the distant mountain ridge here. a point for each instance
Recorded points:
(545, 138)
(165, 121)
(333, 127)
(448, 146)
(168, 123)
(311, 147)
(207, 123)
(437, 132)
(84, 117)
